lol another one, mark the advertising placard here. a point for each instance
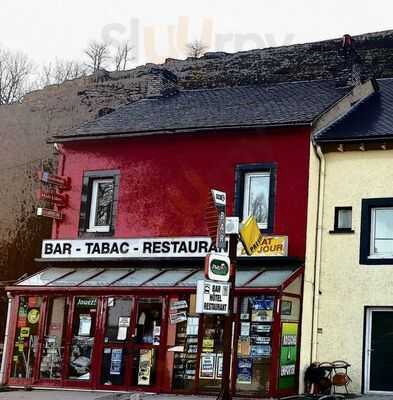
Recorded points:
(178, 317)
(244, 371)
(212, 297)
(217, 267)
(288, 355)
(254, 243)
(208, 366)
(116, 360)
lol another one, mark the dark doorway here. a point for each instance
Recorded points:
(381, 351)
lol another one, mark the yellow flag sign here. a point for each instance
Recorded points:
(254, 243)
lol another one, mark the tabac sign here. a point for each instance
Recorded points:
(173, 247)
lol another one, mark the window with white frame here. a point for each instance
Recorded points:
(256, 196)
(381, 232)
(101, 205)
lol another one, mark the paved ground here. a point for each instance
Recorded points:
(89, 395)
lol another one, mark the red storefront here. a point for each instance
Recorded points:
(114, 307)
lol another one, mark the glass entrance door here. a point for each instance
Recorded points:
(147, 338)
(115, 357)
(26, 344)
(82, 346)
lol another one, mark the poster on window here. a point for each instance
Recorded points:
(145, 365)
(116, 360)
(244, 371)
(219, 364)
(288, 355)
(208, 366)
(84, 325)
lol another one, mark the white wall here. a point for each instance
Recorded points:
(346, 286)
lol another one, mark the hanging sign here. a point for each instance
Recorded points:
(217, 267)
(253, 243)
(62, 182)
(49, 213)
(178, 317)
(53, 197)
(215, 217)
(212, 297)
(178, 305)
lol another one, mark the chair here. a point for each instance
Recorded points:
(340, 375)
(318, 378)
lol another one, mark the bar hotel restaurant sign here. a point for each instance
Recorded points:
(173, 247)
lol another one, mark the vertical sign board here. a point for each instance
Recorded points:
(288, 356)
(215, 217)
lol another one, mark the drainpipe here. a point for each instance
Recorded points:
(318, 252)
(60, 171)
(6, 337)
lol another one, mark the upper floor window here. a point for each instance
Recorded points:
(101, 205)
(99, 200)
(255, 193)
(381, 244)
(342, 220)
(376, 243)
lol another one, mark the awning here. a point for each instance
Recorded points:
(150, 277)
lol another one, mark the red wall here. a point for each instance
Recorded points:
(164, 180)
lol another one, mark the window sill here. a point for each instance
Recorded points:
(98, 230)
(92, 235)
(339, 231)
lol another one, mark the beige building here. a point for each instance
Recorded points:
(348, 290)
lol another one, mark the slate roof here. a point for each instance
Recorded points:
(293, 103)
(372, 119)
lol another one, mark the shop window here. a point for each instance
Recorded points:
(83, 332)
(254, 349)
(290, 308)
(53, 346)
(183, 328)
(212, 353)
(255, 185)
(342, 220)
(99, 201)
(26, 338)
(376, 245)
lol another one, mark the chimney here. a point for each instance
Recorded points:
(353, 62)
(160, 83)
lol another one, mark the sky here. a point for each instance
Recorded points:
(50, 29)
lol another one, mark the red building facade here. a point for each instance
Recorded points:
(115, 307)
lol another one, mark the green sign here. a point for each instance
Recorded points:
(288, 355)
(86, 302)
(219, 267)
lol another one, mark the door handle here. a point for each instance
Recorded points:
(370, 350)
